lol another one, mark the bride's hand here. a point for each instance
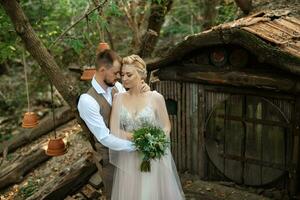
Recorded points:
(129, 136)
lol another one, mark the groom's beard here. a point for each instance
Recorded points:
(109, 84)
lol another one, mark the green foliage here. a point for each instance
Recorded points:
(10, 156)
(227, 11)
(183, 19)
(152, 142)
(8, 38)
(9, 87)
(28, 189)
(113, 10)
(76, 44)
(5, 136)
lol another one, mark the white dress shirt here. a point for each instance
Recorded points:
(89, 111)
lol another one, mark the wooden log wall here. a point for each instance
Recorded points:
(187, 125)
(194, 104)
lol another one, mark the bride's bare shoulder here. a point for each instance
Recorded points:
(156, 95)
(119, 95)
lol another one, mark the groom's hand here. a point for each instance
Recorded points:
(144, 87)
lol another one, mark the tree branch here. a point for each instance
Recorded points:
(155, 22)
(100, 6)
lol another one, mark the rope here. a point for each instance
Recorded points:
(26, 81)
(88, 32)
(53, 110)
(102, 32)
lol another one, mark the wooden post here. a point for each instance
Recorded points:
(188, 134)
(294, 176)
(175, 132)
(183, 127)
(202, 170)
(179, 129)
(179, 122)
(195, 128)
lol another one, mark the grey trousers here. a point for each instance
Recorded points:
(105, 168)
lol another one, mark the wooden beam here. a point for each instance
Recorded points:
(245, 78)
(15, 172)
(249, 91)
(69, 181)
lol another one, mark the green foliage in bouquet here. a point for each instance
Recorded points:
(152, 142)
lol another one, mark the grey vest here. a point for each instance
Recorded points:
(105, 110)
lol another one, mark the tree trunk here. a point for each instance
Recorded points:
(70, 180)
(210, 13)
(155, 22)
(45, 126)
(15, 173)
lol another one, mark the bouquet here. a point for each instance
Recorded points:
(152, 142)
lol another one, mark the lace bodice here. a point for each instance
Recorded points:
(131, 121)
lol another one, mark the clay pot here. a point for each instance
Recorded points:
(56, 147)
(101, 47)
(30, 120)
(88, 74)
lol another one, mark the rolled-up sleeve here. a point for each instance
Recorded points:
(89, 111)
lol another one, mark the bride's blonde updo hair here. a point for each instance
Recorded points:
(137, 62)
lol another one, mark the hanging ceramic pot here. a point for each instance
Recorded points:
(30, 120)
(88, 74)
(101, 47)
(56, 147)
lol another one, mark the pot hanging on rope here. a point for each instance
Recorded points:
(101, 47)
(88, 74)
(56, 146)
(30, 119)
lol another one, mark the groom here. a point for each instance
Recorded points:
(94, 108)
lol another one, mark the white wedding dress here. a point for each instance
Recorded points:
(162, 182)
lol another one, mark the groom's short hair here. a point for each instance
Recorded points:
(106, 58)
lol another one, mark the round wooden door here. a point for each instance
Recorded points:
(247, 139)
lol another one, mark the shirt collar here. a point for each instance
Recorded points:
(99, 88)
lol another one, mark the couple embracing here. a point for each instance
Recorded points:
(112, 114)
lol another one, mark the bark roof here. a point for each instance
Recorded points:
(273, 35)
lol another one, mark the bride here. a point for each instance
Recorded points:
(130, 111)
